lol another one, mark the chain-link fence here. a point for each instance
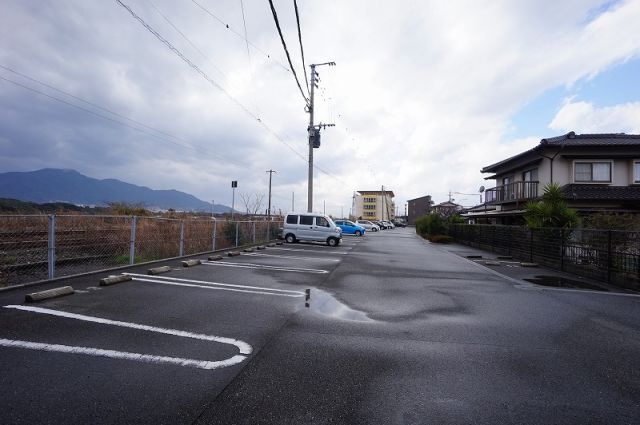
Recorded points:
(607, 255)
(38, 247)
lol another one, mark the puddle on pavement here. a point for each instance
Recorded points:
(324, 303)
(562, 282)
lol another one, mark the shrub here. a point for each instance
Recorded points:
(551, 211)
(440, 239)
(432, 224)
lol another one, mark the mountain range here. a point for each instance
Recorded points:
(55, 185)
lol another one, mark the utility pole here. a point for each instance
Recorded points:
(293, 201)
(383, 203)
(313, 131)
(269, 209)
(213, 204)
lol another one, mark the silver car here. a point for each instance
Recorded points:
(368, 225)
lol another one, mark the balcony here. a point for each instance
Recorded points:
(512, 192)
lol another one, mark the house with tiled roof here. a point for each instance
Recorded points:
(597, 173)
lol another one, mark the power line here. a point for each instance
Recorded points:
(186, 38)
(304, 66)
(216, 85)
(208, 12)
(86, 101)
(286, 51)
(244, 23)
(97, 114)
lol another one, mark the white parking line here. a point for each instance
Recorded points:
(242, 346)
(262, 266)
(291, 257)
(311, 250)
(98, 352)
(216, 285)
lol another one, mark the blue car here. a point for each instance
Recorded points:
(349, 227)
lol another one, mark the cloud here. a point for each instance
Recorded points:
(584, 117)
(422, 94)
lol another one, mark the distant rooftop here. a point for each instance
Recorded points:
(376, 192)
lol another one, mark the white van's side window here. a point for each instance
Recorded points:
(307, 220)
(292, 219)
(322, 222)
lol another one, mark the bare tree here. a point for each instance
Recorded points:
(252, 203)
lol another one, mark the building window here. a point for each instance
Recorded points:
(592, 172)
(369, 199)
(636, 172)
(530, 175)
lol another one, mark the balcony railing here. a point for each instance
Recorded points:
(512, 192)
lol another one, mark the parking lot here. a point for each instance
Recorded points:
(156, 348)
(384, 328)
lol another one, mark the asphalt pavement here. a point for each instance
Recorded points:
(392, 330)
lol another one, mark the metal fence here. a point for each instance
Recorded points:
(607, 255)
(39, 247)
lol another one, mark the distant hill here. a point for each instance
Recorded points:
(51, 185)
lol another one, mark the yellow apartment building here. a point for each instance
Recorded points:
(375, 205)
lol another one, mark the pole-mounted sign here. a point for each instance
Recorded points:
(234, 184)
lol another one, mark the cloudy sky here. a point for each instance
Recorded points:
(424, 94)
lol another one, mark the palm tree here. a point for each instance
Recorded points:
(551, 211)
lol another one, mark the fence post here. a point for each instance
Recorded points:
(493, 237)
(609, 257)
(531, 245)
(562, 249)
(268, 231)
(51, 247)
(254, 231)
(213, 237)
(236, 233)
(132, 241)
(181, 252)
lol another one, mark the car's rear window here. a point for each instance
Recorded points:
(306, 219)
(292, 219)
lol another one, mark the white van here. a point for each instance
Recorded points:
(311, 227)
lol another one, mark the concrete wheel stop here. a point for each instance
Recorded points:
(159, 270)
(111, 280)
(50, 293)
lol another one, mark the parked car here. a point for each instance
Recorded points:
(381, 225)
(349, 227)
(399, 224)
(389, 224)
(368, 225)
(311, 227)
